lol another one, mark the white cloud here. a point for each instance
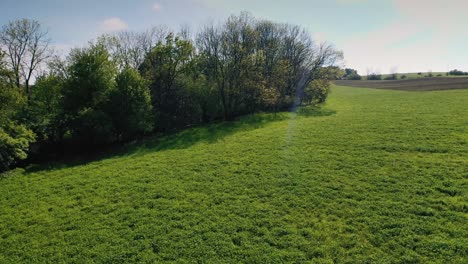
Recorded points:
(420, 39)
(113, 24)
(387, 48)
(157, 7)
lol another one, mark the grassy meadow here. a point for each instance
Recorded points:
(373, 176)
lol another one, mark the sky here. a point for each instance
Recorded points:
(377, 35)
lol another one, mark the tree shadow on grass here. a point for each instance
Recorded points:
(210, 133)
(213, 133)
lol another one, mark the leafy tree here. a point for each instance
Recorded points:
(91, 76)
(457, 72)
(14, 137)
(351, 74)
(44, 107)
(349, 71)
(163, 67)
(129, 106)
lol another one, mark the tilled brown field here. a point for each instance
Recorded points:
(423, 84)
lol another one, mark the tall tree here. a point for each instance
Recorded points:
(162, 67)
(91, 77)
(27, 48)
(231, 62)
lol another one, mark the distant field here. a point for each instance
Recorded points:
(415, 75)
(423, 84)
(375, 176)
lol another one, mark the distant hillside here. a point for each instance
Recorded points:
(421, 84)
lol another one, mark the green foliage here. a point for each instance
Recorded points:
(457, 73)
(44, 107)
(91, 76)
(269, 98)
(14, 137)
(374, 176)
(317, 92)
(10, 101)
(14, 143)
(204, 98)
(351, 74)
(164, 67)
(246, 59)
(129, 106)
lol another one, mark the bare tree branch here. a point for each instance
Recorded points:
(27, 47)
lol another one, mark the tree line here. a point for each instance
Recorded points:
(126, 85)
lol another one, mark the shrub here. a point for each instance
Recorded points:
(14, 143)
(14, 138)
(91, 77)
(317, 92)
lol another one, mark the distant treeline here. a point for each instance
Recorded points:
(130, 84)
(457, 72)
(352, 74)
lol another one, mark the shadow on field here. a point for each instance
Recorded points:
(215, 132)
(209, 133)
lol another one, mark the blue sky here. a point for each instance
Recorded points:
(381, 35)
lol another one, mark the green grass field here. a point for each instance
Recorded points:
(374, 176)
